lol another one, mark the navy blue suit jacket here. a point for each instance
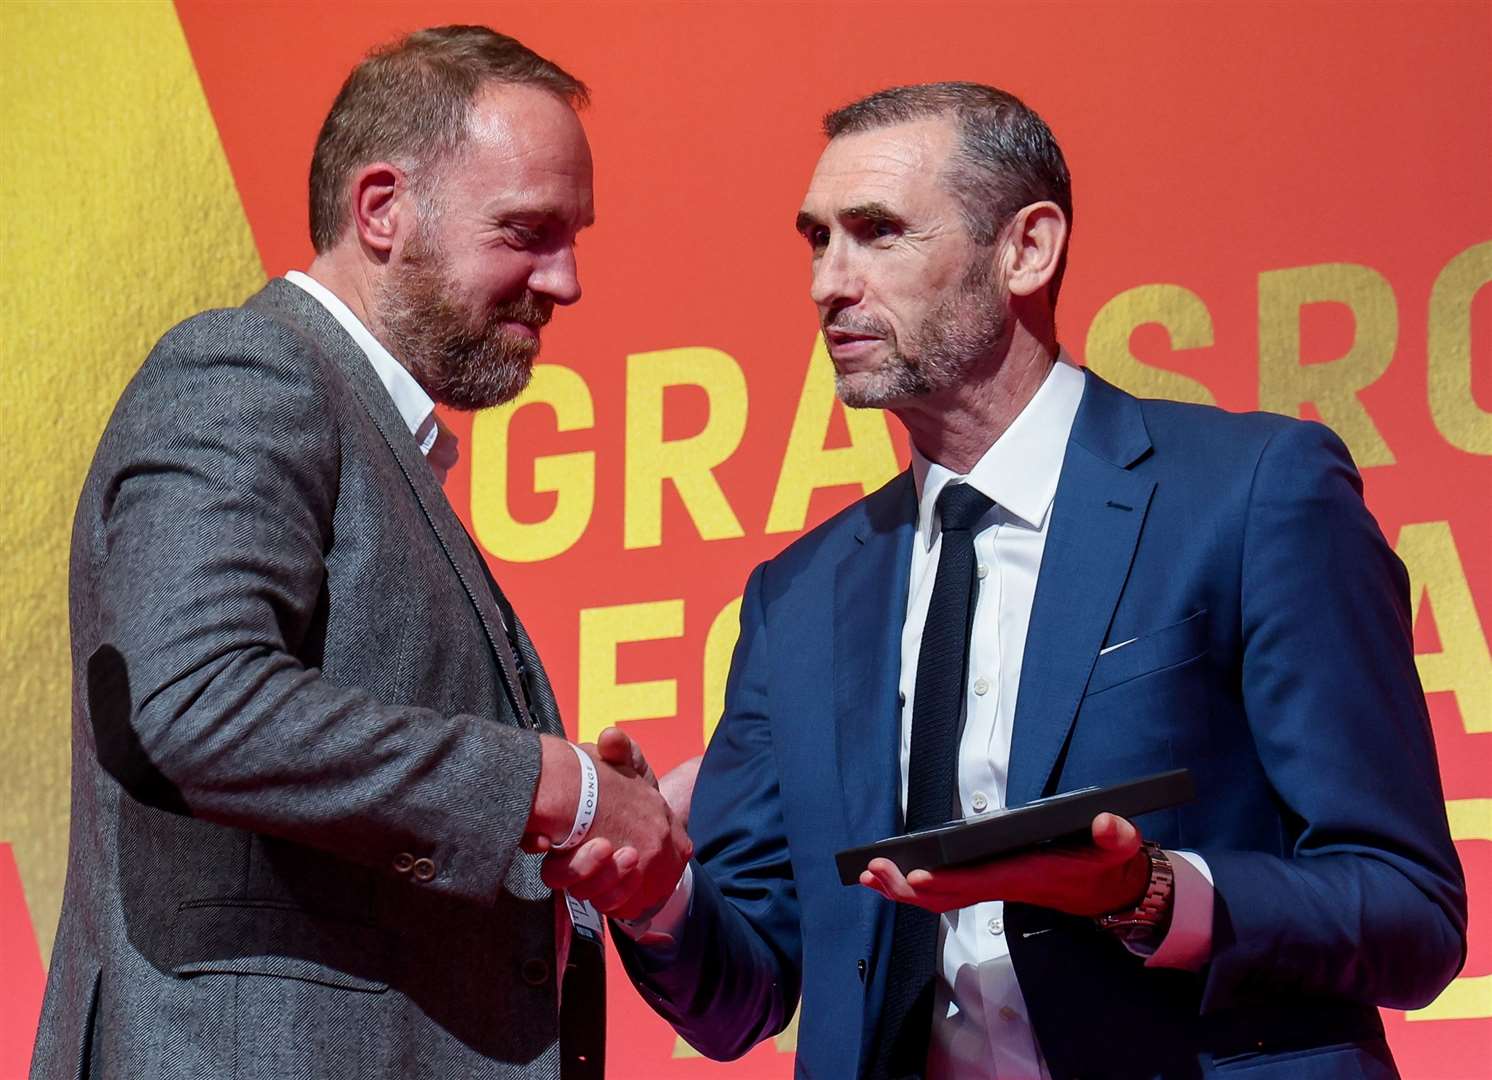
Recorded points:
(1272, 657)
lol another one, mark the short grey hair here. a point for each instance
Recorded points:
(1007, 157)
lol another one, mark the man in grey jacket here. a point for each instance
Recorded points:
(315, 755)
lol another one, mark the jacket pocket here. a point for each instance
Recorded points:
(1339, 1061)
(1155, 651)
(266, 937)
(88, 1063)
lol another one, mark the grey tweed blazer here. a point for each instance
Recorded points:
(298, 780)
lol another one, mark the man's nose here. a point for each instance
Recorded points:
(836, 280)
(556, 276)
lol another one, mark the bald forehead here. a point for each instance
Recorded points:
(522, 119)
(526, 151)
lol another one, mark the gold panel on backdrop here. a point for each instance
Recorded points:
(122, 212)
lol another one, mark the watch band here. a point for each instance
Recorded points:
(1151, 917)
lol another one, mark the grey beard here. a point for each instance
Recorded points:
(951, 341)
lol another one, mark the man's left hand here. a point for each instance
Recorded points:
(1110, 875)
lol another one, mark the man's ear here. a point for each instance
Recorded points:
(1034, 242)
(380, 203)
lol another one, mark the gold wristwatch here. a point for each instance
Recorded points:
(1147, 922)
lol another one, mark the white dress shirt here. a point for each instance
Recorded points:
(981, 1027)
(439, 446)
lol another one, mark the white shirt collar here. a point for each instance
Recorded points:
(414, 405)
(1021, 469)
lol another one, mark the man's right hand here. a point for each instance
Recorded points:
(619, 750)
(636, 850)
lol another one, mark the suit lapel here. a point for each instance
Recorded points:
(543, 704)
(870, 600)
(326, 336)
(1097, 517)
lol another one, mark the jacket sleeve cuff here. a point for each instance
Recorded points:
(1187, 945)
(659, 932)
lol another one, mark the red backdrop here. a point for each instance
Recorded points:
(1288, 205)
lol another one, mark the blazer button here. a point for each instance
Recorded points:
(424, 870)
(535, 971)
(403, 861)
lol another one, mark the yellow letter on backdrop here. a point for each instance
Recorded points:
(572, 476)
(605, 701)
(868, 460)
(1455, 411)
(1185, 318)
(688, 463)
(720, 643)
(1285, 383)
(1463, 665)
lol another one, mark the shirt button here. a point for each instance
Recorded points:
(980, 802)
(424, 870)
(983, 571)
(1007, 1013)
(981, 687)
(996, 927)
(535, 971)
(402, 862)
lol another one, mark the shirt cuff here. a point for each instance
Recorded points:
(1188, 943)
(660, 931)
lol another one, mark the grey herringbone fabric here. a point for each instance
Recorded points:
(285, 693)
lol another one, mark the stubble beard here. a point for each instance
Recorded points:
(951, 341)
(461, 362)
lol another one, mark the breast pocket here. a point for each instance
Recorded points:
(1168, 647)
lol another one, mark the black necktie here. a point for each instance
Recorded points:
(937, 709)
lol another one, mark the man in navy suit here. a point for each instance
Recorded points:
(1098, 587)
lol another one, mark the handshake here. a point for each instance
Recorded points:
(631, 847)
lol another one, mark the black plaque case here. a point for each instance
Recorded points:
(1065, 817)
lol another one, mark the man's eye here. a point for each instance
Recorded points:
(882, 229)
(818, 238)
